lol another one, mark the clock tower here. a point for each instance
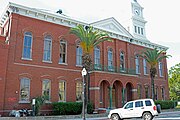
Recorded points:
(138, 22)
(137, 27)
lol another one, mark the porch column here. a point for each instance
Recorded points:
(110, 97)
(123, 96)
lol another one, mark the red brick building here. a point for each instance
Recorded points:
(40, 57)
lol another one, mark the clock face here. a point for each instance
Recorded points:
(136, 12)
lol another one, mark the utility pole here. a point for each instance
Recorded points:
(84, 73)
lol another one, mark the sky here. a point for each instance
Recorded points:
(162, 16)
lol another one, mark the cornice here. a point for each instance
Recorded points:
(68, 22)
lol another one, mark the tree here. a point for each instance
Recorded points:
(153, 56)
(89, 38)
(174, 80)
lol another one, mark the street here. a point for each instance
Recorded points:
(175, 115)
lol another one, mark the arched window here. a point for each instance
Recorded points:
(122, 61)
(47, 48)
(62, 91)
(63, 51)
(79, 89)
(137, 64)
(145, 66)
(110, 60)
(79, 53)
(160, 69)
(97, 57)
(46, 88)
(24, 89)
(27, 46)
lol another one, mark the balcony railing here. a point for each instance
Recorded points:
(99, 67)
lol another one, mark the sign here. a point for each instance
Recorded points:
(84, 72)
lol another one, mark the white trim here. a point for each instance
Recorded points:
(47, 67)
(94, 88)
(71, 22)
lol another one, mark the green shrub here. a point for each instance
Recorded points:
(70, 108)
(90, 108)
(166, 104)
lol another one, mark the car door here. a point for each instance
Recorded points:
(128, 110)
(139, 108)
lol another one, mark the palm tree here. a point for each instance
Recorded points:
(153, 56)
(89, 38)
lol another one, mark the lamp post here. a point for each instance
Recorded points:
(33, 106)
(84, 73)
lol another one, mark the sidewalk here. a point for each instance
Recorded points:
(79, 117)
(59, 117)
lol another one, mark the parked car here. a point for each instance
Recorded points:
(142, 108)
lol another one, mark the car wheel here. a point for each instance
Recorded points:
(147, 116)
(115, 117)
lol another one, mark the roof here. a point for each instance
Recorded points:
(110, 25)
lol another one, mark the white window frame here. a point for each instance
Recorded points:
(22, 83)
(160, 69)
(97, 57)
(27, 34)
(64, 92)
(137, 63)
(46, 80)
(145, 66)
(63, 52)
(79, 55)
(47, 38)
(122, 61)
(78, 90)
(110, 59)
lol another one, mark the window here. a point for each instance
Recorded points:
(142, 31)
(62, 90)
(145, 66)
(156, 93)
(97, 57)
(148, 103)
(62, 58)
(46, 89)
(79, 53)
(162, 93)
(47, 48)
(137, 65)
(135, 29)
(139, 89)
(110, 59)
(139, 29)
(129, 105)
(147, 91)
(79, 89)
(27, 46)
(139, 104)
(122, 61)
(25, 89)
(160, 69)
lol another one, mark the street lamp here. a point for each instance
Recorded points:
(84, 73)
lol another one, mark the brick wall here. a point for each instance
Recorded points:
(37, 70)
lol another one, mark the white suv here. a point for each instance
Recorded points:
(144, 108)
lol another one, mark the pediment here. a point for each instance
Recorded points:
(111, 25)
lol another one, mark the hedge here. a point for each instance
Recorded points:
(70, 108)
(166, 104)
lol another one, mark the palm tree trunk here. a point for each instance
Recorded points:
(153, 72)
(152, 88)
